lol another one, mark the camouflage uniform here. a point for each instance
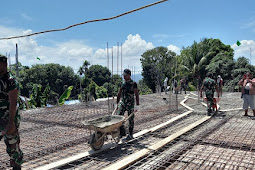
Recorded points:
(8, 83)
(209, 85)
(127, 104)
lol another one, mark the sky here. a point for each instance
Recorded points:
(173, 24)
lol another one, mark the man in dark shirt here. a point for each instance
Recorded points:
(126, 94)
(9, 115)
(209, 85)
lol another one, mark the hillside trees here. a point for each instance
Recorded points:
(58, 77)
(99, 74)
(157, 64)
(207, 55)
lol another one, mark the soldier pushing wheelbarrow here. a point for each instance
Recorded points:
(209, 85)
(127, 93)
(113, 125)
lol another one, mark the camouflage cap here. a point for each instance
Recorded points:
(3, 58)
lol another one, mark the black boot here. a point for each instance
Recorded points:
(209, 111)
(122, 131)
(17, 167)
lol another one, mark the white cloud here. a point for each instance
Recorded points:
(244, 49)
(174, 49)
(72, 53)
(132, 49)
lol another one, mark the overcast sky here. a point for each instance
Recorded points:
(174, 24)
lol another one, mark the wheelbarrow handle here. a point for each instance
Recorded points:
(113, 113)
(129, 116)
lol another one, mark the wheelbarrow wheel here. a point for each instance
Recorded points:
(96, 145)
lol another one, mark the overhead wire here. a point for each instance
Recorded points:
(90, 21)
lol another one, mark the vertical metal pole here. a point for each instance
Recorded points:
(117, 58)
(174, 82)
(107, 56)
(9, 58)
(112, 76)
(134, 73)
(17, 62)
(108, 83)
(121, 59)
(250, 55)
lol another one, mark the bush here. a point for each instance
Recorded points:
(191, 87)
(101, 92)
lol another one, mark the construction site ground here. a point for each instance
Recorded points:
(192, 140)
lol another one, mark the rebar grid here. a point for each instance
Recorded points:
(122, 150)
(160, 159)
(228, 144)
(236, 133)
(51, 134)
(104, 158)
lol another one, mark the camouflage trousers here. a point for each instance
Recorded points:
(121, 110)
(12, 142)
(209, 96)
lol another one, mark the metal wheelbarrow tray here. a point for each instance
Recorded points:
(103, 126)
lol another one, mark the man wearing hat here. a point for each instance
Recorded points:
(9, 115)
(126, 93)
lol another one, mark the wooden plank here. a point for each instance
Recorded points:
(236, 109)
(141, 133)
(193, 94)
(128, 160)
(138, 155)
(192, 98)
(163, 142)
(73, 158)
(183, 104)
(170, 121)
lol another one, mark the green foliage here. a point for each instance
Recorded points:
(55, 75)
(92, 89)
(84, 68)
(36, 99)
(191, 87)
(207, 52)
(157, 64)
(101, 92)
(241, 62)
(219, 64)
(65, 95)
(143, 88)
(99, 74)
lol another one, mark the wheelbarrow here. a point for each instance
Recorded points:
(215, 101)
(103, 127)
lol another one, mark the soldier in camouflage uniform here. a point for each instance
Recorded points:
(9, 115)
(209, 85)
(126, 93)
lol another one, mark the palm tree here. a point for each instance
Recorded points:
(83, 70)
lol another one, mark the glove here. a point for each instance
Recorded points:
(137, 108)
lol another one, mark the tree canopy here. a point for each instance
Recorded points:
(99, 74)
(58, 77)
(157, 64)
